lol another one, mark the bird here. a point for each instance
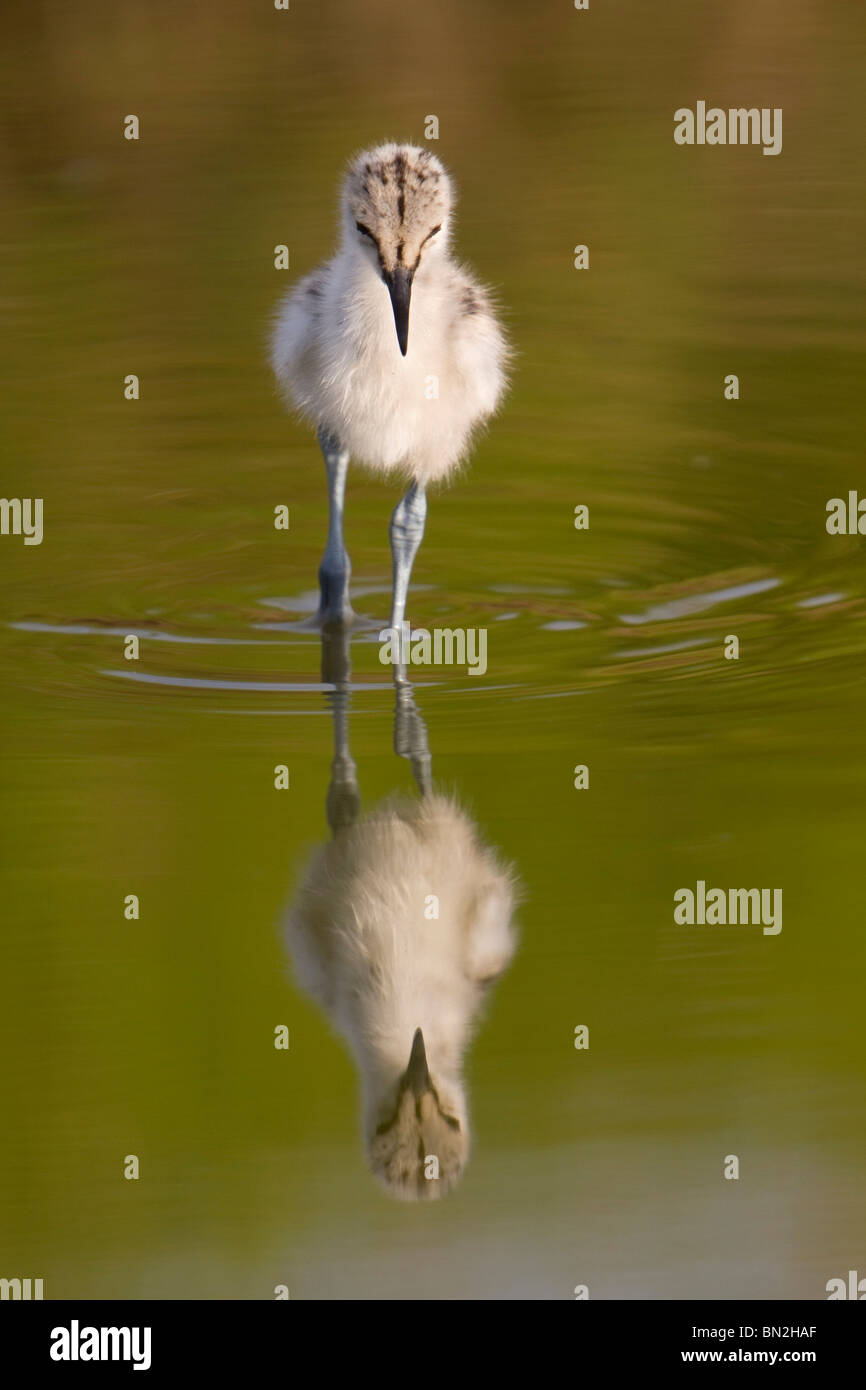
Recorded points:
(401, 983)
(393, 351)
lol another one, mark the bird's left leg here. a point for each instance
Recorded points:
(335, 569)
(407, 530)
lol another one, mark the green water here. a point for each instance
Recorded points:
(154, 1037)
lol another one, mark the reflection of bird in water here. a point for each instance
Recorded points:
(397, 402)
(400, 924)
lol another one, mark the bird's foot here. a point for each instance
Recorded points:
(335, 609)
(342, 620)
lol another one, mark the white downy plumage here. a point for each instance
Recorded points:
(391, 349)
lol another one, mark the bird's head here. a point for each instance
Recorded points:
(396, 209)
(418, 1134)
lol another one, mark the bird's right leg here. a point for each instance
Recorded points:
(334, 571)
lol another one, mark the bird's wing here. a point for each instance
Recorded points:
(296, 325)
(480, 347)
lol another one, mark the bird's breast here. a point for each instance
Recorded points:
(409, 414)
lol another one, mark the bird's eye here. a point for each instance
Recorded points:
(365, 231)
(431, 234)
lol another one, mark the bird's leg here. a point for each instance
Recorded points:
(334, 571)
(343, 800)
(410, 737)
(407, 530)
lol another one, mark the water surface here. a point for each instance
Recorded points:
(605, 648)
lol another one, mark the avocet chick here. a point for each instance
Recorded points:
(392, 350)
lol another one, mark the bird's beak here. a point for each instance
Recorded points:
(399, 282)
(417, 1075)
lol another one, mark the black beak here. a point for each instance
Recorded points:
(399, 282)
(417, 1075)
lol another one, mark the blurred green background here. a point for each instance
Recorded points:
(605, 648)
